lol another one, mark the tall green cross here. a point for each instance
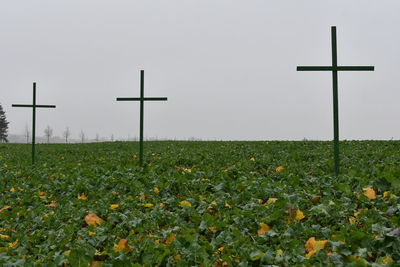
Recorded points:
(141, 99)
(335, 68)
(33, 106)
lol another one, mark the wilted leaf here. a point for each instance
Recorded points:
(369, 192)
(5, 208)
(93, 219)
(82, 197)
(121, 246)
(169, 239)
(52, 204)
(299, 215)
(320, 244)
(388, 194)
(13, 244)
(114, 206)
(312, 246)
(352, 220)
(4, 236)
(279, 168)
(185, 204)
(263, 228)
(387, 259)
(212, 229)
(271, 200)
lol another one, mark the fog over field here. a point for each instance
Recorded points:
(228, 67)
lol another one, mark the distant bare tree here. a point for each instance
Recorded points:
(3, 126)
(27, 133)
(97, 137)
(82, 136)
(48, 132)
(66, 134)
(112, 138)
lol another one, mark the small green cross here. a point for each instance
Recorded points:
(335, 68)
(33, 106)
(141, 99)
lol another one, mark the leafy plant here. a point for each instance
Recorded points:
(200, 203)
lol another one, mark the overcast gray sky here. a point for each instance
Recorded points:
(228, 67)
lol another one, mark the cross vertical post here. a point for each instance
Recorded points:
(33, 106)
(141, 152)
(335, 68)
(34, 124)
(335, 102)
(141, 99)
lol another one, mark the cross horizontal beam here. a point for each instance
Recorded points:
(31, 106)
(337, 68)
(140, 99)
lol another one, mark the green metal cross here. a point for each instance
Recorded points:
(33, 106)
(141, 99)
(335, 68)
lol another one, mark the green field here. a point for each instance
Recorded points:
(200, 203)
